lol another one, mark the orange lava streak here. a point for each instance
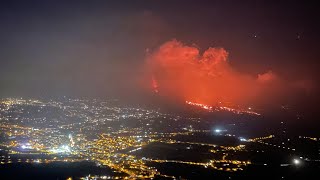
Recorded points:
(155, 85)
(182, 72)
(222, 108)
(203, 106)
(238, 111)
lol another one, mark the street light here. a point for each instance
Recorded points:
(296, 161)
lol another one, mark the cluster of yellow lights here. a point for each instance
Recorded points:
(215, 164)
(234, 148)
(261, 138)
(310, 138)
(115, 149)
(106, 150)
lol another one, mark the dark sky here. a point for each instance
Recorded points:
(97, 48)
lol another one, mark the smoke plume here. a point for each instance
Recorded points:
(181, 71)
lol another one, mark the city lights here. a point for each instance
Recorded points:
(119, 147)
(151, 90)
(296, 161)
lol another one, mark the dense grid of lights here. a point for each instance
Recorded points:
(73, 130)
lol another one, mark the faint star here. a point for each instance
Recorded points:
(254, 36)
(298, 37)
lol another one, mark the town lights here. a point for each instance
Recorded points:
(296, 161)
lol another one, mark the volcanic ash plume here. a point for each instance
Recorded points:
(180, 71)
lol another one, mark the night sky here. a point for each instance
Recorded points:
(98, 48)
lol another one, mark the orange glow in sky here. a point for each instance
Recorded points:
(182, 72)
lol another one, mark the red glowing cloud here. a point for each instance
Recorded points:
(266, 77)
(181, 71)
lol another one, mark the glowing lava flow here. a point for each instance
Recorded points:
(222, 108)
(155, 85)
(238, 111)
(203, 106)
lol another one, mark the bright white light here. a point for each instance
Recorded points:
(296, 161)
(217, 130)
(243, 139)
(62, 149)
(65, 148)
(26, 146)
